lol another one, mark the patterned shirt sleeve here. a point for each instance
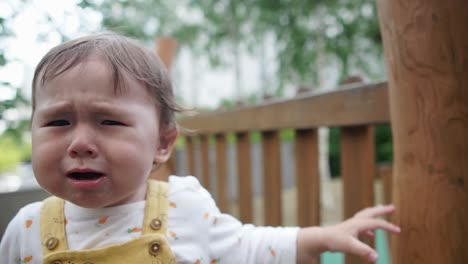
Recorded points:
(230, 241)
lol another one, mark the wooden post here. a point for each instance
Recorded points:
(426, 50)
(166, 48)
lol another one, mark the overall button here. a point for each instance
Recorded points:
(156, 224)
(52, 243)
(154, 248)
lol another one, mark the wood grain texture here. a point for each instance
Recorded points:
(271, 177)
(426, 51)
(244, 176)
(358, 171)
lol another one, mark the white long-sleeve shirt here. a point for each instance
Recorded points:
(197, 232)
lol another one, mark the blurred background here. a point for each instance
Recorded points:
(230, 53)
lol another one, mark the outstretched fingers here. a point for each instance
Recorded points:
(376, 211)
(373, 224)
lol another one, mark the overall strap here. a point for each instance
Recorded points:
(52, 226)
(157, 204)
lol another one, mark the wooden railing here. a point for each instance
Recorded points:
(355, 109)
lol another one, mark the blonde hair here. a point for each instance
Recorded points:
(125, 57)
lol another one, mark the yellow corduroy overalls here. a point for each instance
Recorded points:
(150, 248)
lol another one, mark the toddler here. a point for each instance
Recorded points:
(103, 116)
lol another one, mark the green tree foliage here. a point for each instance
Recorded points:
(12, 153)
(309, 35)
(14, 128)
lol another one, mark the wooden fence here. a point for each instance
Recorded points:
(354, 108)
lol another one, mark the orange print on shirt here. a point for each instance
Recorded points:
(197, 262)
(66, 221)
(27, 259)
(28, 223)
(214, 261)
(206, 215)
(272, 251)
(102, 221)
(173, 205)
(215, 221)
(134, 230)
(173, 235)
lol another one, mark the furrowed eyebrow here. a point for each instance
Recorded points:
(54, 108)
(107, 108)
(99, 108)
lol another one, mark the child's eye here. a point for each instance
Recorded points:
(58, 123)
(112, 123)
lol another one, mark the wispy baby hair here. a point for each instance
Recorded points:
(126, 57)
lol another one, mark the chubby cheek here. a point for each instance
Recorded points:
(134, 159)
(46, 157)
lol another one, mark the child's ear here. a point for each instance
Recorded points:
(167, 138)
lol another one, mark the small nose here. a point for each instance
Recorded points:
(82, 145)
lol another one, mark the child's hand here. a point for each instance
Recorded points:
(344, 237)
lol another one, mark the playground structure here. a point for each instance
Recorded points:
(426, 103)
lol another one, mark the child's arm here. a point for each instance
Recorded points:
(343, 237)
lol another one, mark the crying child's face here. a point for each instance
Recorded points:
(93, 146)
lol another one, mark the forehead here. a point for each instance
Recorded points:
(90, 77)
(94, 74)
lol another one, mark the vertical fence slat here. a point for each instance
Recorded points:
(205, 162)
(189, 141)
(244, 171)
(385, 173)
(271, 177)
(358, 171)
(307, 177)
(221, 173)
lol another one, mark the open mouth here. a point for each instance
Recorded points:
(85, 176)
